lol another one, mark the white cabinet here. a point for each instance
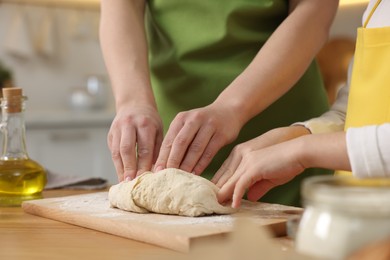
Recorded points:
(72, 147)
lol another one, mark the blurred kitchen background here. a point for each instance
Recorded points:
(52, 49)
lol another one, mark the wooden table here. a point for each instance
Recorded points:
(24, 236)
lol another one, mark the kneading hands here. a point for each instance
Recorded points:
(195, 136)
(275, 158)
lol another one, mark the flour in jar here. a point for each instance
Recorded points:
(170, 191)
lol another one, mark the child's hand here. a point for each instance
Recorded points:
(258, 169)
(272, 137)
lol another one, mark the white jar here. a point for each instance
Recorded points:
(342, 214)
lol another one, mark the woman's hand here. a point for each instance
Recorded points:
(134, 140)
(195, 136)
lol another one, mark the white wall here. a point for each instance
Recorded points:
(48, 81)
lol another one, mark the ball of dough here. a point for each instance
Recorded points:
(170, 191)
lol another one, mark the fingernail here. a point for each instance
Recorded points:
(158, 168)
(235, 204)
(127, 178)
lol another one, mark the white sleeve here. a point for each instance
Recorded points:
(369, 150)
(332, 120)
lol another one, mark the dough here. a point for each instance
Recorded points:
(170, 191)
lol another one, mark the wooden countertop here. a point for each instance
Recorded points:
(25, 236)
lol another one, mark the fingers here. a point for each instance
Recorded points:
(187, 145)
(178, 135)
(256, 186)
(122, 149)
(221, 171)
(258, 171)
(242, 180)
(145, 148)
(225, 177)
(259, 189)
(196, 149)
(227, 169)
(227, 190)
(157, 145)
(180, 145)
(208, 154)
(193, 139)
(134, 140)
(128, 152)
(113, 141)
(191, 150)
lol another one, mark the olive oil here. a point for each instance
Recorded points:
(20, 177)
(20, 180)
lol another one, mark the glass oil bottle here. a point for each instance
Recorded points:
(20, 177)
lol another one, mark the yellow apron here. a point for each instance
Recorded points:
(369, 96)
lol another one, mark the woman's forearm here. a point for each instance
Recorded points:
(124, 47)
(283, 59)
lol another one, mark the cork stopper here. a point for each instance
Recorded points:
(13, 98)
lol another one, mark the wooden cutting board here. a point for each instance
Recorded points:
(175, 232)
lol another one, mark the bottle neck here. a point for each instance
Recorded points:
(14, 135)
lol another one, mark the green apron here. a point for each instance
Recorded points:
(198, 47)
